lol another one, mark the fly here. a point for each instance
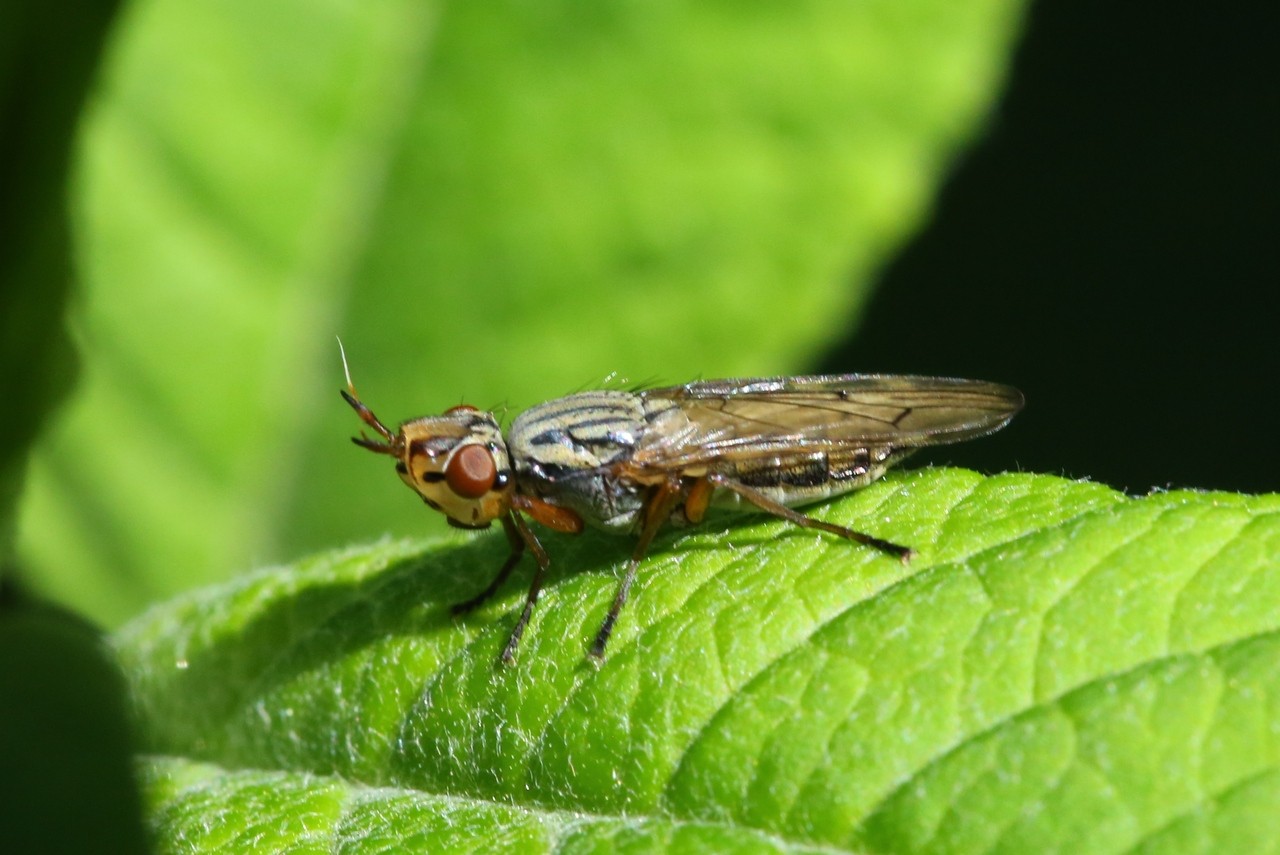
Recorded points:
(630, 462)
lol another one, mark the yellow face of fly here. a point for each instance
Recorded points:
(457, 462)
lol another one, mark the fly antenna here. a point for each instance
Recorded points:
(391, 446)
(346, 369)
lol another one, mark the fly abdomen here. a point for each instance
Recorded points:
(798, 480)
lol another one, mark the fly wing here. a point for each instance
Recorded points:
(736, 419)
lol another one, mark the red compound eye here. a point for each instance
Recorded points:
(461, 408)
(471, 472)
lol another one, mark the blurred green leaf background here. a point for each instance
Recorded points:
(496, 202)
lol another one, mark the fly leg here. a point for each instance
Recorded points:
(764, 503)
(656, 511)
(535, 587)
(519, 535)
(517, 551)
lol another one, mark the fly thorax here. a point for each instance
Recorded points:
(568, 451)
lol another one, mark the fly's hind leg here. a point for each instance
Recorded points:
(768, 505)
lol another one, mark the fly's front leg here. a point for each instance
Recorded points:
(535, 587)
(764, 503)
(519, 535)
(517, 551)
(657, 509)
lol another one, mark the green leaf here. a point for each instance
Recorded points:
(1060, 668)
(502, 201)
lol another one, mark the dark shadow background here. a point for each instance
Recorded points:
(66, 749)
(1111, 249)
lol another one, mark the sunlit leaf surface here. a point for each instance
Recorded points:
(1061, 668)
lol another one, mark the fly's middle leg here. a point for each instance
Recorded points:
(657, 509)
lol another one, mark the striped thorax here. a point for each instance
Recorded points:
(572, 452)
